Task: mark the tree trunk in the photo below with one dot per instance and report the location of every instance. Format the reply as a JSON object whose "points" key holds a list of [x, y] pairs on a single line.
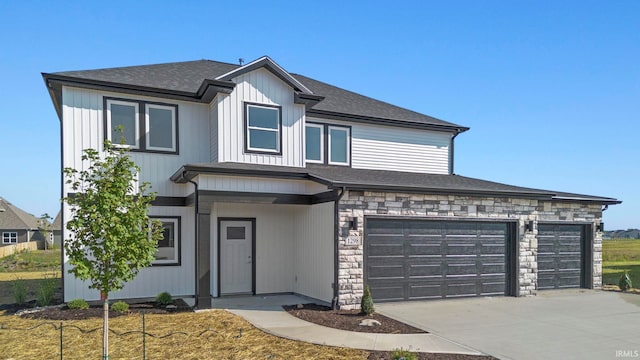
{"points": [[105, 328]]}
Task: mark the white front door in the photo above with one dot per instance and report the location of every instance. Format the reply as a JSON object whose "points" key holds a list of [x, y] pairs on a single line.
{"points": [[236, 257]]}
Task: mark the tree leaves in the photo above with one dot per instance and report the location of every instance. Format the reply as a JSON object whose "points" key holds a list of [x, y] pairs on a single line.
{"points": [[113, 235]]}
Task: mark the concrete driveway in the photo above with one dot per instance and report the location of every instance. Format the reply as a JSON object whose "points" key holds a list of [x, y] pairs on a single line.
{"points": [[557, 324]]}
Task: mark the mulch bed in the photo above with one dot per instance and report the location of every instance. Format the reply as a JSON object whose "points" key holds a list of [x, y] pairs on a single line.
{"points": [[95, 311], [349, 320]]}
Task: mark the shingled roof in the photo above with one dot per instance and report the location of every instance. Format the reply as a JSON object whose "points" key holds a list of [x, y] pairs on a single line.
{"points": [[382, 180], [188, 80], [14, 218]]}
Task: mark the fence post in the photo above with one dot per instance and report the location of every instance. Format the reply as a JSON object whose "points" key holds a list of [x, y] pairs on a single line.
{"points": [[144, 343], [60, 340]]}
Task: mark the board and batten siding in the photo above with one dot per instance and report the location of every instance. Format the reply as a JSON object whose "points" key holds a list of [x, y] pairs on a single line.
{"points": [[380, 147], [258, 185], [313, 251], [294, 247], [262, 87], [83, 128], [213, 138], [274, 243], [177, 280]]}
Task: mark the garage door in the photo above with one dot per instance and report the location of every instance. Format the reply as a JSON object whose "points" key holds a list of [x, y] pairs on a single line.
{"points": [[425, 259], [560, 256]]}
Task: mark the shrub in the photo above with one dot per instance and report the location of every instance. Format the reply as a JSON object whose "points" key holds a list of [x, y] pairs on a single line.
{"points": [[19, 289], [120, 306], [625, 282], [164, 298], [366, 305], [46, 290], [77, 304], [401, 354]]}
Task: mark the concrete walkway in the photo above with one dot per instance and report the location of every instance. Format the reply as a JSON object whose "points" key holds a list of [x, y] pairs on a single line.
{"points": [[266, 313]]}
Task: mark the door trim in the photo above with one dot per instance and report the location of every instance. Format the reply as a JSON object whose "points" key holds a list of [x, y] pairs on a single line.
{"points": [[253, 253]]}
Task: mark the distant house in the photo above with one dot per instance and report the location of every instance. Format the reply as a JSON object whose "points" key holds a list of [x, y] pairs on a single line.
{"points": [[17, 225], [57, 230]]}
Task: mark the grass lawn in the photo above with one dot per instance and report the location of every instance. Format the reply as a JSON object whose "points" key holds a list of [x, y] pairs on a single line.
{"points": [[35, 260], [619, 255]]}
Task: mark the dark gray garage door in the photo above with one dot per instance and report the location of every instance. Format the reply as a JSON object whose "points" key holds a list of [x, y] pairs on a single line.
{"points": [[560, 256], [425, 259]]}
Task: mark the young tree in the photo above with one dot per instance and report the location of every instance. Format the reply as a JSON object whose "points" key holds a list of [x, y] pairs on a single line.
{"points": [[44, 228], [113, 235]]}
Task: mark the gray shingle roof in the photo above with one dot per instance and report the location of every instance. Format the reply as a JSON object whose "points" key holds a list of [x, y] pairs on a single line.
{"points": [[14, 218], [57, 222], [187, 77], [382, 180]]}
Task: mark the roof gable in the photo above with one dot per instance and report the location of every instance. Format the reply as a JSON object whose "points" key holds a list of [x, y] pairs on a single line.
{"points": [[267, 63], [14, 218]]}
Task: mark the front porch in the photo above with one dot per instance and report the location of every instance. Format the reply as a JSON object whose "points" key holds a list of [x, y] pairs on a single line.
{"points": [[263, 243]]}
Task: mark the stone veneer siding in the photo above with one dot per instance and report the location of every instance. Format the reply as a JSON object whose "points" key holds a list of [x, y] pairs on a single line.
{"points": [[447, 207]]}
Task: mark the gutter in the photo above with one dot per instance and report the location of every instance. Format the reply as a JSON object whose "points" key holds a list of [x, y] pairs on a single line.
{"points": [[336, 214]]}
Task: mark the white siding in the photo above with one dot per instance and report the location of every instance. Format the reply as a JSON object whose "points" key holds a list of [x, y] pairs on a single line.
{"points": [[257, 184], [213, 139], [294, 247], [259, 86], [313, 251], [397, 149], [274, 243], [83, 128], [177, 280]]}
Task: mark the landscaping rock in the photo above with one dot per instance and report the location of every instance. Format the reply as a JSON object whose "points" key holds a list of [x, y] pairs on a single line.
{"points": [[370, 322], [300, 306], [171, 307]]}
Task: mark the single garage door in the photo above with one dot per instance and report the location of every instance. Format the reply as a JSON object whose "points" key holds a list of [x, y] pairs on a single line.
{"points": [[560, 256], [428, 259]]}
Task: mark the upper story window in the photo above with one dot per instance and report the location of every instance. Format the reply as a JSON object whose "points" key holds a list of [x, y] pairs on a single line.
{"points": [[328, 144], [314, 143], [263, 125], [339, 145], [9, 237], [126, 120]]}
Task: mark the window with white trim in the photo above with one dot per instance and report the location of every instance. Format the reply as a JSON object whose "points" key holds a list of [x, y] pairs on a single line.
{"points": [[314, 143], [9, 237], [126, 120], [339, 145], [169, 246], [263, 125]]}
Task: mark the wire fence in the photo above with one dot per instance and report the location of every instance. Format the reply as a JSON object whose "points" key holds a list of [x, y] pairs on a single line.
{"points": [[62, 328]]}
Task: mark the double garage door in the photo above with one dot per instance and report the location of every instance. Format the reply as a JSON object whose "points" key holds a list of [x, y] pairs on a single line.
{"points": [[426, 259], [408, 259]]}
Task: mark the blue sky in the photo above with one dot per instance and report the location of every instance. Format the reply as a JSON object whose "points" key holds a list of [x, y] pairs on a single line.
{"points": [[551, 90]]}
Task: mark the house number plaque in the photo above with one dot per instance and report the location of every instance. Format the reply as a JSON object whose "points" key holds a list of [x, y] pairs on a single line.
{"points": [[354, 238]]}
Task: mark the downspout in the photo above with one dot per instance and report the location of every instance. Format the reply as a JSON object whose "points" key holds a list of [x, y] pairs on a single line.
{"points": [[197, 261], [451, 152], [336, 221]]}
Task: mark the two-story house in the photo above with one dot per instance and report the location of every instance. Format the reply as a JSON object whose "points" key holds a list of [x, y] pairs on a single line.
{"points": [[273, 182]]}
